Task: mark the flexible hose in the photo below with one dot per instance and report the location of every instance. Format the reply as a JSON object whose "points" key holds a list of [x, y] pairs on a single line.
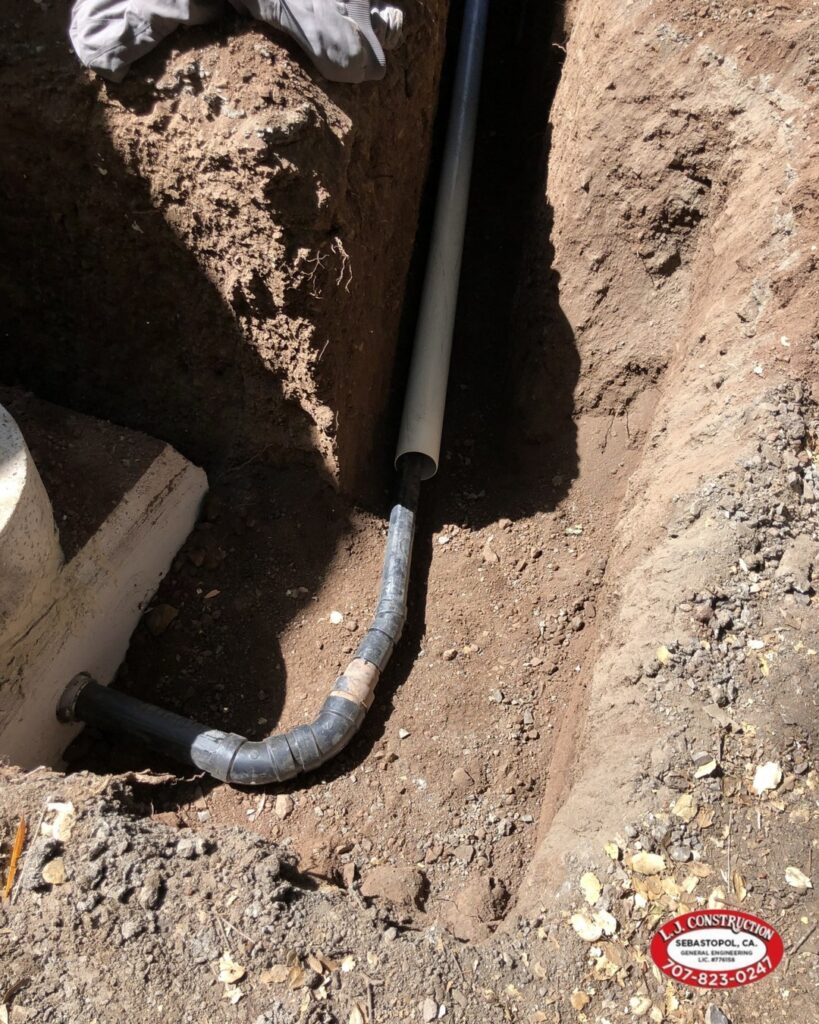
{"points": [[233, 758]]}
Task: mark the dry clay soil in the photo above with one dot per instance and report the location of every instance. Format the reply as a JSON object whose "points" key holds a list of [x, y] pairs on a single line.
{"points": [[613, 617]]}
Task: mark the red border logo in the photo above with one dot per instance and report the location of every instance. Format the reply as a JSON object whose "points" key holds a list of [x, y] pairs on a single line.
{"points": [[717, 948]]}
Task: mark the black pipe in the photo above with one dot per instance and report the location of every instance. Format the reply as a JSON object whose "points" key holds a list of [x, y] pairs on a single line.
{"points": [[233, 758]]}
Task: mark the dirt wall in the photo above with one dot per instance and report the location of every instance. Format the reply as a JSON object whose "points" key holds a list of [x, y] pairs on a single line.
{"points": [[214, 251]]}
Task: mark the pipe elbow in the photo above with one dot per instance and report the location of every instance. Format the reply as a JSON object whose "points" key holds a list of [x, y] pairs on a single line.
{"points": [[285, 755]]}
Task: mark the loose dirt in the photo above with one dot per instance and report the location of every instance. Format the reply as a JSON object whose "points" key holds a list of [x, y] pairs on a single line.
{"points": [[615, 575]]}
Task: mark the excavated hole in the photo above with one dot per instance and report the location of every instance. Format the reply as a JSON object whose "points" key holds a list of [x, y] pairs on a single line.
{"points": [[469, 730]]}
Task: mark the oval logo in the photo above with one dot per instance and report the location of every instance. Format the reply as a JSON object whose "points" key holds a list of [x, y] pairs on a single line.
{"points": [[717, 948]]}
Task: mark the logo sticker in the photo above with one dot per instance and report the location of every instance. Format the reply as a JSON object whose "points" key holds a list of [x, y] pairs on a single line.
{"points": [[716, 948]]}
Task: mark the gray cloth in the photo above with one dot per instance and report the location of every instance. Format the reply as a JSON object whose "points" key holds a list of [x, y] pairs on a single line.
{"points": [[339, 37]]}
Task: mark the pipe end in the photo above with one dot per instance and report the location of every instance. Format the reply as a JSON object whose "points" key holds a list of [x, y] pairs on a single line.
{"points": [[66, 708]]}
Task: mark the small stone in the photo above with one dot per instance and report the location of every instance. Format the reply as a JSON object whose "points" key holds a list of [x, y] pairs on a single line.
{"points": [[579, 1000], [685, 808], [159, 618], [496, 696], [131, 928], [336, 618], [590, 887], [429, 1010], [639, 1005], [348, 874], [589, 931], [390, 934], [450, 654], [645, 863], [150, 893], [283, 806], [462, 779], [796, 878], [403, 734], [680, 854], [490, 556], [464, 853], [713, 1015], [400, 885], [54, 871], [186, 848], [766, 777]]}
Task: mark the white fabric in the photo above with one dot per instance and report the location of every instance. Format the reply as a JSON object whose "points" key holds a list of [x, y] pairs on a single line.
{"points": [[337, 35]]}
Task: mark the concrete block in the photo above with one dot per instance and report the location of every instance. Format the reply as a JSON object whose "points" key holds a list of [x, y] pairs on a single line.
{"points": [[123, 504]]}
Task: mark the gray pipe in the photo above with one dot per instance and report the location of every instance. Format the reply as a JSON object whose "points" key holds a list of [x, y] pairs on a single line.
{"points": [[423, 417], [233, 758]]}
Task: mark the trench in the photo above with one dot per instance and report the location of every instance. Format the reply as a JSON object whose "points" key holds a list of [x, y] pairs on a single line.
{"points": [[474, 721]]}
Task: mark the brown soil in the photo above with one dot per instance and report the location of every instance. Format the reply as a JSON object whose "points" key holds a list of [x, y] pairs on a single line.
{"points": [[222, 170], [629, 473]]}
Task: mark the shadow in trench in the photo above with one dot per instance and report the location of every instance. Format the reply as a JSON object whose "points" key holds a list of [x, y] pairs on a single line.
{"points": [[509, 432], [510, 439], [125, 324]]}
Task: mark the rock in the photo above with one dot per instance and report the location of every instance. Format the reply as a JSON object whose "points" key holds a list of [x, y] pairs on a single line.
{"points": [[429, 1010], [450, 654], [336, 618], [679, 854], [645, 863], [490, 556], [589, 931], [186, 848], [54, 872], [348, 874], [462, 779], [283, 806], [795, 878], [472, 915], [131, 928], [159, 618], [639, 1005], [590, 887], [464, 853], [400, 885], [151, 891], [766, 777], [799, 558], [713, 1015], [685, 808], [579, 999]]}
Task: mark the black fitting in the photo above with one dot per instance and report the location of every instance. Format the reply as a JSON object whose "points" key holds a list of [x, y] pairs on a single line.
{"points": [[232, 758]]}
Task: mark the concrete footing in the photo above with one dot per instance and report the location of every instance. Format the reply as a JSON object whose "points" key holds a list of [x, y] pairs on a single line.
{"points": [[123, 504]]}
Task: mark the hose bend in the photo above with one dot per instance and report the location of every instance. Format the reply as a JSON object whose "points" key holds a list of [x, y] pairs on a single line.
{"points": [[233, 758]]}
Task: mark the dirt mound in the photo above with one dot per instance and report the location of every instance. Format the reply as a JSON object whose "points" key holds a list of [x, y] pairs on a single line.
{"points": [[247, 227]]}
